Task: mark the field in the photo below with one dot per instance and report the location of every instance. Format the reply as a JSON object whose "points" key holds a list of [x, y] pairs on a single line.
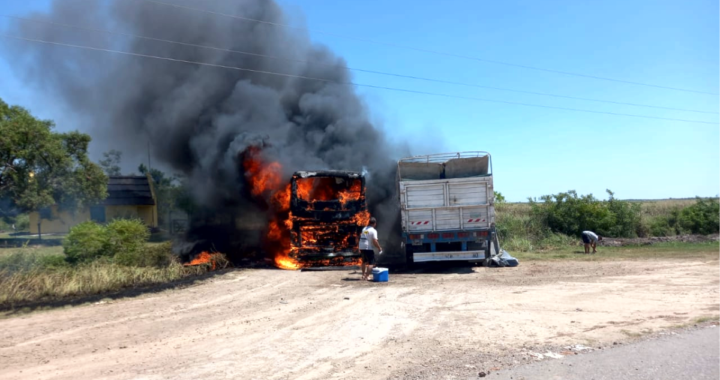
{"points": [[431, 322], [650, 208], [522, 230]]}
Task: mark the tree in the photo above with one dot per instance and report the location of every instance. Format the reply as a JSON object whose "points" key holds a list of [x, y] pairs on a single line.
{"points": [[111, 163], [160, 179], [40, 167], [499, 198]]}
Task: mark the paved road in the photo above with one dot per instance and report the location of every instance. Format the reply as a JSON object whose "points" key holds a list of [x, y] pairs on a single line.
{"points": [[688, 356]]}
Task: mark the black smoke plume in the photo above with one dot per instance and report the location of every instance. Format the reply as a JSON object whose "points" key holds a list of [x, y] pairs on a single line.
{"points": [[198, 119]]}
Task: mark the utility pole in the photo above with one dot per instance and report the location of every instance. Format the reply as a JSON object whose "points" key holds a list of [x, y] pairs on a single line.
{"points": [[150, 178], [148, 147]]}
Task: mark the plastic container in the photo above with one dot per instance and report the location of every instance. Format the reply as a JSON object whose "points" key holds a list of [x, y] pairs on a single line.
{"points": [[380, 275]]}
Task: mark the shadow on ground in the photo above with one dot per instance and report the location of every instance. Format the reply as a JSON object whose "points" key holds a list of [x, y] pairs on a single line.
{"points": [[436, 268]]}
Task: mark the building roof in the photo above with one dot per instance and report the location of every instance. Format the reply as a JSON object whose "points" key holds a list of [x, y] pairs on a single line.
{"points": [[129, 191]]}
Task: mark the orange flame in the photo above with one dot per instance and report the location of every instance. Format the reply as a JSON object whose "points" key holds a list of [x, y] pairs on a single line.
{"points": [[264, 177], [362, 218], [323, 189], [353, 194], [265, 183], [202, 258]]}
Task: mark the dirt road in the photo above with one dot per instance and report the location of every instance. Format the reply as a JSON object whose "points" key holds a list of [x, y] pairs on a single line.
{"points": [[273, 324]]}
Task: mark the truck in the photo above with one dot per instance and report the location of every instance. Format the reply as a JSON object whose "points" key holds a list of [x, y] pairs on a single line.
{"points": [[327, 213], [447, 207]]}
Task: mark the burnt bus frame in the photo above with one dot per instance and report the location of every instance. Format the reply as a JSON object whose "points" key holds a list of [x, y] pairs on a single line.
{"points": [[305, 217]]}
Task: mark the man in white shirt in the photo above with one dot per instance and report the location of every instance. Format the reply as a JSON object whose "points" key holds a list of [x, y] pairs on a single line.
{"points": [[368, 241], [590, 239]]}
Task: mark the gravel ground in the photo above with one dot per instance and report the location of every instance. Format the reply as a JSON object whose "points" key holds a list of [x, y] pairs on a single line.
{"points": [[446, 323]]}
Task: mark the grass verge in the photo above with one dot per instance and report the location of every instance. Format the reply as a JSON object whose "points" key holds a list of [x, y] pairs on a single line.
{"points": [[33, 275], [673, 250]]}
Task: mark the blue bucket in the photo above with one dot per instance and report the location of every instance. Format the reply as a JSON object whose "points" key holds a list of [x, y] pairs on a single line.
{"points": [[380, 275]]}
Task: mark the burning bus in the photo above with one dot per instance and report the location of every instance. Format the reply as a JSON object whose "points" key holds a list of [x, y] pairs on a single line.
{"points": [[327, 213], [314, 219]]}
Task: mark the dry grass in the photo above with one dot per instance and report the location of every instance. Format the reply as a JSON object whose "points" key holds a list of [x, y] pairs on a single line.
{"points": [[648, 208], [35, 250], [651, 209], [518, 210], [92, 279], [29, 275]]}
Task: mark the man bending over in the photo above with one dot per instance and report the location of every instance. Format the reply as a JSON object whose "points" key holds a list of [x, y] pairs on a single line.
{"points": [[590, 239]]}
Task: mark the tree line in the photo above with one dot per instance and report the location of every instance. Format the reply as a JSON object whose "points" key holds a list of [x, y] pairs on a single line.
{"points": [[40, 167]]}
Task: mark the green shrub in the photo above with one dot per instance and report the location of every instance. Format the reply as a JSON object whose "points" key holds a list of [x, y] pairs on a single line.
{"points": [[157, 255], [701, 218], [667, 225], [87, 241], [509, 226], [122, 239], [52, 262], [22, 222], [127, 236], [660, 226], [623, 218], [570, 214]]}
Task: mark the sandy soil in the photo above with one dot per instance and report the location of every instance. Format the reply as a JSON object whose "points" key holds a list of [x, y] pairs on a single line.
{"points": [[272, 324]]}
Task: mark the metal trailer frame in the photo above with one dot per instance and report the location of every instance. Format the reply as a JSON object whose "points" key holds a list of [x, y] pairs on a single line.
{"points": [[487, 237], [445, 157]]}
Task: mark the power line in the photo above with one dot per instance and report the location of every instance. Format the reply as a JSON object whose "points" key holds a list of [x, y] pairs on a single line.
{"points": [[351, 83], [448, 54], [355, 69]]}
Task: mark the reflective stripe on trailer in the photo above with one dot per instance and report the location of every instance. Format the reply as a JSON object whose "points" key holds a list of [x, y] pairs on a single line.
{"points": [[475, 220], [419, 257], [420, 223]]}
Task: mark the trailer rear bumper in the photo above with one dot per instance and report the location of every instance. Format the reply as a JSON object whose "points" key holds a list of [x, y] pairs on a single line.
{"points": [[318, 256], [422, 257]]}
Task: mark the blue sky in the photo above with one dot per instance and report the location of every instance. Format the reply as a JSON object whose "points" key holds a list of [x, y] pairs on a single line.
{"points": [[535, 151]]}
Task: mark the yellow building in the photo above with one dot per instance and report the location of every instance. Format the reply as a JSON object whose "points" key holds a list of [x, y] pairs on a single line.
{"points": [[128, 197]]}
